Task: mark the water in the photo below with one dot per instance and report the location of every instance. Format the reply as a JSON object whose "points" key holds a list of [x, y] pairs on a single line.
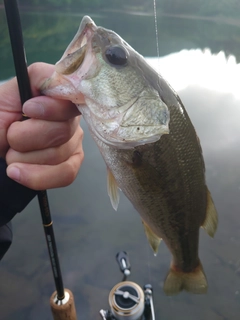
{"points": [[90, 233]]}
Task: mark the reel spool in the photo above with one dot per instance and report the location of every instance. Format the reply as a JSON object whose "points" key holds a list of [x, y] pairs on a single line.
{"points": [[126, 301]]}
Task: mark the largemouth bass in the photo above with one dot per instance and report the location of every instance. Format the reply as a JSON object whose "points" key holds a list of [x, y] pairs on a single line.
{"points": [[148, 142]]}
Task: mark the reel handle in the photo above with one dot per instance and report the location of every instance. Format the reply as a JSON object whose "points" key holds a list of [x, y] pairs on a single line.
{"points": [[124, 263]]}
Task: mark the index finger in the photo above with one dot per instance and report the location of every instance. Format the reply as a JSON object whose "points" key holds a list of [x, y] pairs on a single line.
{"points": [[38, 72], [9, 93], [42, 107]]}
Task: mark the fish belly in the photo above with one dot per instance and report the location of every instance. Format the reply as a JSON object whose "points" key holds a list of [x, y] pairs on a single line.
{"points": [[165, 182]]}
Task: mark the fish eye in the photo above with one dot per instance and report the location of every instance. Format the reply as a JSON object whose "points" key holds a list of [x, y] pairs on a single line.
{"points": [[116, 55]]}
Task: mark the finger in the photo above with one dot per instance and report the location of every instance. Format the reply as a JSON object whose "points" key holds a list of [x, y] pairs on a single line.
{"points": [[10, 98], [36, 134], [10, 111], [39, 72], [50, 109], [38, 177], [49, 156]]}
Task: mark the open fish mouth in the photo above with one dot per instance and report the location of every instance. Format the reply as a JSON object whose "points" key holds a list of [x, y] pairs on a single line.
{"points": [[72, 61], [73, 66], [93, 57], [75, 53]]}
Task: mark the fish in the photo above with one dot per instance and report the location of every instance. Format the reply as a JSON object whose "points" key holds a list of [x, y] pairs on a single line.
{"points": [[149, 144]]}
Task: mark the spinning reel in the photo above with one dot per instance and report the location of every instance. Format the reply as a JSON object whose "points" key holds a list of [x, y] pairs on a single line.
{"points": [[127, 300]]}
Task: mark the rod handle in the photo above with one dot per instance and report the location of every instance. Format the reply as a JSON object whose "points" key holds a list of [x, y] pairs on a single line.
{"points": [[63, 309]]}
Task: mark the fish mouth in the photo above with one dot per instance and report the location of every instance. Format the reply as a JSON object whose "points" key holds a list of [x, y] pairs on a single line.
{"points": [[75, 53]]}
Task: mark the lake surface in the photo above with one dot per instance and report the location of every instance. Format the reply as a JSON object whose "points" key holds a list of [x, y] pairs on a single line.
{"points": [[88, 231]]}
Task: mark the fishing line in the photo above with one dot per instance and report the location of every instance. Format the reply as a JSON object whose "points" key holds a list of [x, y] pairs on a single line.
{"points": [[149, 251], [148, 264], [156, 27]]}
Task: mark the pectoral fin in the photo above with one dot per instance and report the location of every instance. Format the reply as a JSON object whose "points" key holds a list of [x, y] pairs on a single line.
{"points": [[211, 220], [153, 240], [112, 189]]}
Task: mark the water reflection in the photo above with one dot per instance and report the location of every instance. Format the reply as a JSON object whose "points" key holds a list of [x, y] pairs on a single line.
{"points": [[89, 233], [217, 72], [47, 34]]}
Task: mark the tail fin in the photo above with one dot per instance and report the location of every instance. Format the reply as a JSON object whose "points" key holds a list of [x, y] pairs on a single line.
{"points": [[194, 281]]}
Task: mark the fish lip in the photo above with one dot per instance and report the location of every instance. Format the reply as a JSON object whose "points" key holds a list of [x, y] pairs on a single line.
{"points": [[86, 22], [85, 32], [83, 37], [74, 55], [86, 29]]}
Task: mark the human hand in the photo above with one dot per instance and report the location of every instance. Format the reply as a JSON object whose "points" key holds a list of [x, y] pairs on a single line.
{"points": [[45, 151]]}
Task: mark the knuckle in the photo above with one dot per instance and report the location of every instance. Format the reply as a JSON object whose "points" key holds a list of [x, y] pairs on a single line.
{"points": [[13, 134], [32, 68], [9, 157], [72, 167], [81, 132], [71, 173], [58, 135], [35, 68], [53, 156]]}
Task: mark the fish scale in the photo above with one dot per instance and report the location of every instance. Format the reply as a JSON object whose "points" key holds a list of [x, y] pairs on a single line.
{"points": [[149, 198]]}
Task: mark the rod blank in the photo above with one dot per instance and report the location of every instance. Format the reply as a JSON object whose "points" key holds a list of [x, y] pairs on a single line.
{"points": [[66, 308]]}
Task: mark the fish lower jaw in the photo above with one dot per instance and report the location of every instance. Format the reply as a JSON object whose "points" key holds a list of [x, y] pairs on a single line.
{"points": [[113, 134], [112, 138]]}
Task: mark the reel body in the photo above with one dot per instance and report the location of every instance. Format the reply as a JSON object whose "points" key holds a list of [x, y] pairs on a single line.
{"points": [[127, 300]]}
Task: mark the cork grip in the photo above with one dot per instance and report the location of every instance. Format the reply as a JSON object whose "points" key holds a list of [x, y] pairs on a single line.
{"points": [[65, 311]]}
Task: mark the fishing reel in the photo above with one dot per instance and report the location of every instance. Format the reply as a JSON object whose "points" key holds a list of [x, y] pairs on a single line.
{"points": [[127, 300]]}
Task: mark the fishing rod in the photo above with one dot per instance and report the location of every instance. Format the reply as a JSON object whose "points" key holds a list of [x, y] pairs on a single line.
{"points": [[61, 301], [127, 300]]}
